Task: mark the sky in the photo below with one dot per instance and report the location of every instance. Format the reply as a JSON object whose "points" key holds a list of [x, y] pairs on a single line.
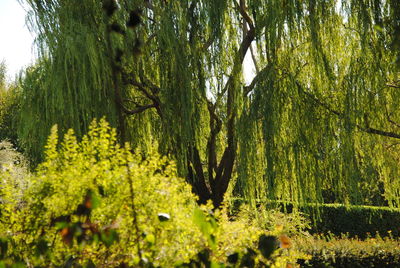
{"points": [[16, 42]]}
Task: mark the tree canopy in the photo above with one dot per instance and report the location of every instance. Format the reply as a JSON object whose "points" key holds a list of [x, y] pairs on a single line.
{"points": [[318, 122], [9, 107]]}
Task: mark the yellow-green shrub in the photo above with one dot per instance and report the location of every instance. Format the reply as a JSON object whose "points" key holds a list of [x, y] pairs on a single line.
{"points": [[350, 252], [94, 202], [100, 165]]}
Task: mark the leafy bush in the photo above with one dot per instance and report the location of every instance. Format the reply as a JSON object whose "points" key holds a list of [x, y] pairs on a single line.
{"points": [[272, 219], [95, 203], [13, 169], [342, 252], [127, 192], [9, 110], [233, 244]]}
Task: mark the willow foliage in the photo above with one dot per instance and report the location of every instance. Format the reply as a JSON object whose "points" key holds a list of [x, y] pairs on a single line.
{"points": [[71, 84], [318, 122]]}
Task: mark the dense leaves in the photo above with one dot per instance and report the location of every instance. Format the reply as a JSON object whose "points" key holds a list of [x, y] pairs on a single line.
{"points": [[339, 219], [95, 201], [342, 252], [9, 107], [316, 121]]}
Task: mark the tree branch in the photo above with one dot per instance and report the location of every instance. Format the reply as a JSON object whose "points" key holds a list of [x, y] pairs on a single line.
{"points": [[148, 83], [215, 128], [256, 79], [241, 53], [224, 171], [392, 85], [366, 129], [198, 178], [379, 132], [246, 17], [390, 119], [138, 109], [142, 88], [318, 101]]}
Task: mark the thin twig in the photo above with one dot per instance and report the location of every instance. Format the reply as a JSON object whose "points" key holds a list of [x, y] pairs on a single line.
{"points": [[393, 86], [134, 214]]}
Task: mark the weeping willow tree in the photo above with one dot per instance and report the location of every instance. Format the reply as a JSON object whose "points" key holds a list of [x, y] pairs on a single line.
{"points": [[317, 122]]}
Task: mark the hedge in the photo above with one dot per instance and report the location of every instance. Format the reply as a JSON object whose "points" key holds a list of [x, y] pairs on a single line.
{"points": [[354, 221]]}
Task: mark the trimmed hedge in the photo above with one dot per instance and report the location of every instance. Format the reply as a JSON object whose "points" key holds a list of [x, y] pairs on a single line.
{"points": [[350, 253], [354, 221]]}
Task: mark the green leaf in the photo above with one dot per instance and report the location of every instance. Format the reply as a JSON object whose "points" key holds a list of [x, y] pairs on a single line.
{"points": [[267, 244], [150, 238], [41, 247], [207, 226], [109, 237]]}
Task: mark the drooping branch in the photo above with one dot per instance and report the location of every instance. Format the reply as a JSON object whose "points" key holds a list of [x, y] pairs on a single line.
{"points": [[388, 116], [318, 101], [148, 83], [366, 129], [327, 107], [379, 132], [393, 122], [138, 109], [392, 85]]}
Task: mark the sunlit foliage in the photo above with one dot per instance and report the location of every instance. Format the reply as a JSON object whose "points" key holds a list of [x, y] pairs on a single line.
{"points": [[95, 202], [318, 122], [9, 107]]}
